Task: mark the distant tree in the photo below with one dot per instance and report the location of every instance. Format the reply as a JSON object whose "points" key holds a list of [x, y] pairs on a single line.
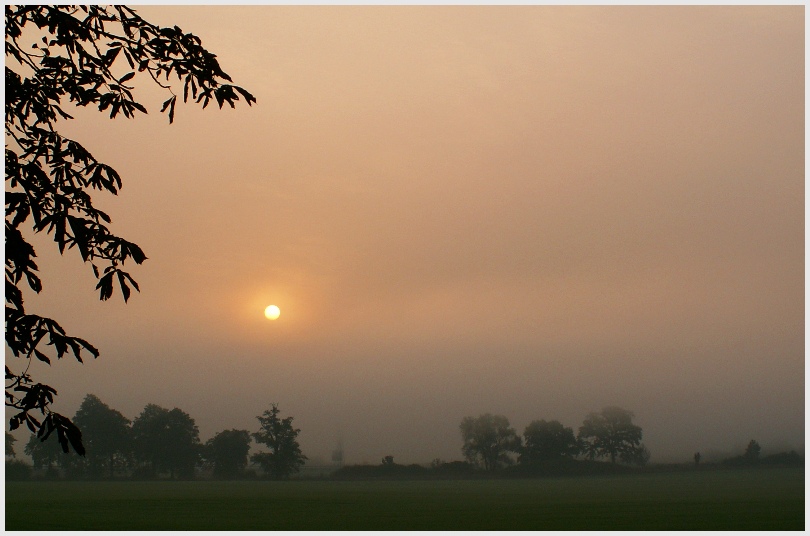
{"points": [[453, 469], [611, 433], [488, 440], [169, 441], [638, 455], [106, 435], [44, 455], [17, 470], [280, 437], [548, 440], [790, 459], [10, 440], [62, 55], [228, 452], [337, 454], [697, 458], [752, 452], [387, 460]]}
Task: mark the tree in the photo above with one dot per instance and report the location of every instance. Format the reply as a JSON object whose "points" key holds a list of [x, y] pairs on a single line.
{"points": [[47, 455], [59, 56], [488, 440], [612, 433], [228, 451], [17, 470], [168, 441], [280, 437], [752, 452], [639, 455], [548, 440], [10, 440], [106, 435]]}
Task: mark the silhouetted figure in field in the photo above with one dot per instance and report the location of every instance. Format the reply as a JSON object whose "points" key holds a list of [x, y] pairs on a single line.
{"points": [[697, 458]]}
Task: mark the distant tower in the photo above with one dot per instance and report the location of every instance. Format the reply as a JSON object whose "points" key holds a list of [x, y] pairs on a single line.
{"points": [[337, 454]]}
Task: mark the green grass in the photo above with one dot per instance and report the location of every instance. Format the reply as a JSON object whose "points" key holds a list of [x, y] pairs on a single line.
{"points": [[760, 499]]}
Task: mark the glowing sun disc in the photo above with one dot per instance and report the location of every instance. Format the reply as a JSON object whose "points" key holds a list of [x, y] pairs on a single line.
{"points": [[272, 312]]}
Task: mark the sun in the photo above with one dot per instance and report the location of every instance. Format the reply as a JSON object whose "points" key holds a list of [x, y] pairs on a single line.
{"points": [[272, 312]]}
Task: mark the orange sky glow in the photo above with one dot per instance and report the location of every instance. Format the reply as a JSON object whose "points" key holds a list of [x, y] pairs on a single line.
{"points": [[534, 211]]}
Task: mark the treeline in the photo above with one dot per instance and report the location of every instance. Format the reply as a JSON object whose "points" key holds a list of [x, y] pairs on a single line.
{"points": [[490, 442], [492, 446], [752, 457], [459, 470], [162, 443], [158, 443]]}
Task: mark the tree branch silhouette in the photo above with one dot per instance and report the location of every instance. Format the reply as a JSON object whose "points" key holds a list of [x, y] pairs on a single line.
{"points": [[49, 177]]}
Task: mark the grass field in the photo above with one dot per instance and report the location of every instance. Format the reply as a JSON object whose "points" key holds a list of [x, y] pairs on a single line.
{"points": [[729, 499]]}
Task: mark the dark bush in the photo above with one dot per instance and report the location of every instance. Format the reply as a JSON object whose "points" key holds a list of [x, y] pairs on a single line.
{"points": [[454, 469], [17, 470], [383, 471], [566, 467], [143, 472], [249, 474], [788, 459]]}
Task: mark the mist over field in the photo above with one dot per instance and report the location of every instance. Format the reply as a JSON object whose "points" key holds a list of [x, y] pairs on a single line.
{"points": [[533, 211]]}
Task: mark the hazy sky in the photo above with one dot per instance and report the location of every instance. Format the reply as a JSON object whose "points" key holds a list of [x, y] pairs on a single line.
{"points": [[528, 211]]}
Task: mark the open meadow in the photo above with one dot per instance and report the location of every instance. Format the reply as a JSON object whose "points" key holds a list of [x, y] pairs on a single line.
{"points": [[762, 499]]}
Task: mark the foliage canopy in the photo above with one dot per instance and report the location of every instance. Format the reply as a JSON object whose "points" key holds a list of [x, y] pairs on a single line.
{"points": [[752, 451], [228, 452], [611, 433], [69, 55], [10, 440], [167, 441], [548, 440], [489, 440], [279, 436], [106, 435]]}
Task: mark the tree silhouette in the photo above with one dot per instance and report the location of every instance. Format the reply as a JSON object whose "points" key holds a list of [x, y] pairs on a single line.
{"points": [[228, 451], [106, 435], [752, 451], [280, 437], [639, 455], [548, 440], [611, 433], [10, 440], [44, 455], [68, 54], [488, 440], [168, 441]]}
